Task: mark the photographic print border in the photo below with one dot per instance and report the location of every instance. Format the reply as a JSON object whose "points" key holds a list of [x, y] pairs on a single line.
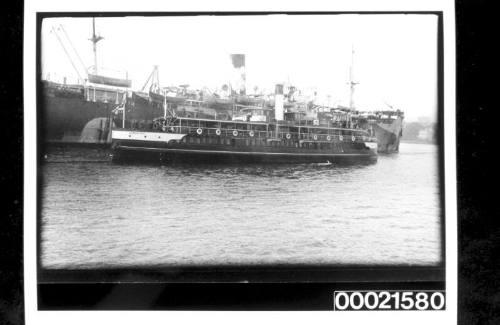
{"points": [[436, 278]]}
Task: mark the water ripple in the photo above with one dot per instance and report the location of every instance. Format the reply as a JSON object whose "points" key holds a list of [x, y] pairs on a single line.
{"points": [[104, 214]]}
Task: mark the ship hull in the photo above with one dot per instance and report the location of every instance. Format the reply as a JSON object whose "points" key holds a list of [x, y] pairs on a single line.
{"points": [[209, 156], [64, 115], [69, 114], [179, 151], [388, 135]]}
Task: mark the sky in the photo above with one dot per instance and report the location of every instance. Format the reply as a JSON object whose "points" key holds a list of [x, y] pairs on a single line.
{"points": [[394, 61]]}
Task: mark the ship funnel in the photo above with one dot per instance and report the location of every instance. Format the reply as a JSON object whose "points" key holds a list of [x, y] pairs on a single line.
{"points": [[278, 103], [238, 80]]}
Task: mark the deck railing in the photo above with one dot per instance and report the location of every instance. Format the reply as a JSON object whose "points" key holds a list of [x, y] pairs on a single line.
{"points": [[270, 135]]}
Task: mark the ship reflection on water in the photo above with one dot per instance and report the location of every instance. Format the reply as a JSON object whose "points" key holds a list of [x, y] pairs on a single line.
{"points": [[96, 213]]}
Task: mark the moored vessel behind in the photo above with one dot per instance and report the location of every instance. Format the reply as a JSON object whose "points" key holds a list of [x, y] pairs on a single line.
{"points": [[388, 133], [386, 126]]}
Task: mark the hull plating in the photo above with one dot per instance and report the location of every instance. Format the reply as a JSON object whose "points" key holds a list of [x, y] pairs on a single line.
{"points": [[388, 135], [199, 153]]}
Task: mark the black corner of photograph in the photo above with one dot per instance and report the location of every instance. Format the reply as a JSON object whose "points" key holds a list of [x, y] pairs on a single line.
{"points": [[11, 180], [477, 171]]}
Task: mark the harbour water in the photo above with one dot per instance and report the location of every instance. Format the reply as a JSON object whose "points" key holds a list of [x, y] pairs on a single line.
{"points": [[98, 214]]}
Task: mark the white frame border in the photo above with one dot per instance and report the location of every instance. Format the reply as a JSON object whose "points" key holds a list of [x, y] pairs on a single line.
{"points": [[33, 316]]}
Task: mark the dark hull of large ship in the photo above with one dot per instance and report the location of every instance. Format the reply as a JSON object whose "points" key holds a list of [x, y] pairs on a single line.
{"points": [[388, 134], [209, 155], [202, 150], [72, 114], [65, 113]]}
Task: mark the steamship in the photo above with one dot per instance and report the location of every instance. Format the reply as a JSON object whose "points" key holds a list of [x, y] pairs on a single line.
{"points": [[388, 129], [82, 112], [259, 137], [79, 112], [86, 112], [385, 125]]}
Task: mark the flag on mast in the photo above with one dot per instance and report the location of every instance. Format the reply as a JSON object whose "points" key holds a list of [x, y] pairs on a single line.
{"points": [[238, 60]]}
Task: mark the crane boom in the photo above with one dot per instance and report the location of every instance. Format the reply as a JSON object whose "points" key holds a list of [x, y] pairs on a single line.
{"points": [[67, 53], [73, 47]]}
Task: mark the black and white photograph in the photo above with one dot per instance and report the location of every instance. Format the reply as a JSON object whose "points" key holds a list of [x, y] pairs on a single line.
{"points": [[241, 147], [256, 140]]}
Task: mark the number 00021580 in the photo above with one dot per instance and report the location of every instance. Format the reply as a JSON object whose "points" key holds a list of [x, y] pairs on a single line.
{"points": [[389, 300]]}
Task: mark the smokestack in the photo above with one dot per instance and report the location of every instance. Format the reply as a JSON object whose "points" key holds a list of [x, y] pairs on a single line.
{"points": [[239, 74], [278, 103]]}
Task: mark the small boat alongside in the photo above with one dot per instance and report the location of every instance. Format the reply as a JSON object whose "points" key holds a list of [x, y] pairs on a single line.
{"points": [[327, 163]]}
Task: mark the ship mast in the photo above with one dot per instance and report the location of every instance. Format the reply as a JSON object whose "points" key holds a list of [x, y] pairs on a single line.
{"points": [[352, 83], [94, 41]]}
